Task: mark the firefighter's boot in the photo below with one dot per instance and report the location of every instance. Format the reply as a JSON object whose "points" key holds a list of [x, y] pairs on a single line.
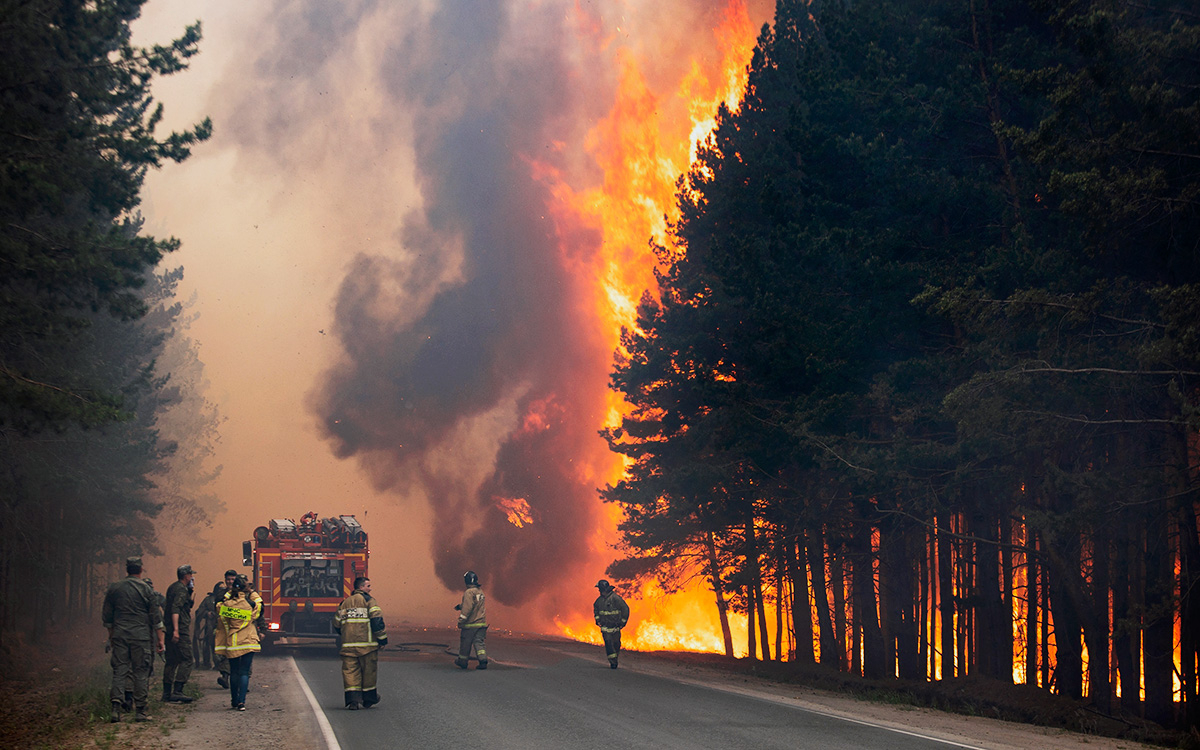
{"points": [[460, 662], [115, 717], [141, 715], [223, 680], [176, 695], [482, 664]]}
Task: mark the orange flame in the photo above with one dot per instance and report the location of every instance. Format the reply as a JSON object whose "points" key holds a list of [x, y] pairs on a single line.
{"points": [[642, 152], [516, 510]]}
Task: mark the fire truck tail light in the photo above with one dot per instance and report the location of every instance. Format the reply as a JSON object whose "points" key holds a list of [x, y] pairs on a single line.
{"points": [[274, 626]]}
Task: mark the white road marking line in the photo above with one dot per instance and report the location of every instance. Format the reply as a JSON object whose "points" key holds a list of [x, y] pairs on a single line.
{"points": [[326, 730], [795, 703]]}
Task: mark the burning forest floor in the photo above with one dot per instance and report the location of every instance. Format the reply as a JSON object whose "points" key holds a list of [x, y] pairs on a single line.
{"points": [[55, 694]]}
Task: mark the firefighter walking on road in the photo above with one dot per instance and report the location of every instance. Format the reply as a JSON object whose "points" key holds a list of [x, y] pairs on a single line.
{"points": [[611, 614], [134, 623], [237, 638], [177, 617], [359, 622], [472, 623]]}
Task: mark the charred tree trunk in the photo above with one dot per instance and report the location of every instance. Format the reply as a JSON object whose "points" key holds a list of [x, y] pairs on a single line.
{"points": [[802, 628], [993, 628], [946, 604], [1097, 636], [820, 588], [1032, 600], [866, 608], [1068, 670], [1189, 573], [753, 561], [714, 577], [901, 603], [1126, 622], [1157, 638], [838, 581]]}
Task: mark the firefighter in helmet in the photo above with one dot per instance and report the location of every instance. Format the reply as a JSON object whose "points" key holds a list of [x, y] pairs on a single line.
{"points": [[359, 622], [611, 614], [472, 623]]}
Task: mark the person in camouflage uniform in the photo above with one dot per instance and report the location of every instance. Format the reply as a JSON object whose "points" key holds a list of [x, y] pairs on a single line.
{"points": [[177, 617], [134, 623], [203, 628]]}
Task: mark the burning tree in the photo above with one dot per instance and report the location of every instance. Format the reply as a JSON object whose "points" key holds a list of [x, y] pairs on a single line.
{"points": [[922, 359]]}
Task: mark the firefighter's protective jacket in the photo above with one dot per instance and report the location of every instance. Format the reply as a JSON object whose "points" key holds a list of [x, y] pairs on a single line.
{"points": [[236, 634], [611, 611], [472, 613], [360, 621]]}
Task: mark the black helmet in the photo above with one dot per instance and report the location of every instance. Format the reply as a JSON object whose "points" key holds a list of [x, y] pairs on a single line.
{"points": [[470, 579], [239, 584], [604, 586]]}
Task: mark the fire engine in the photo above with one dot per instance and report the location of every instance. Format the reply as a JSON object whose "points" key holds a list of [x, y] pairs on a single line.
{"points": [[304, 570]]}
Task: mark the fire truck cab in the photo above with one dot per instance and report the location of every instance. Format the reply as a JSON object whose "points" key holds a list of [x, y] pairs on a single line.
{"points": [[303, 572]]}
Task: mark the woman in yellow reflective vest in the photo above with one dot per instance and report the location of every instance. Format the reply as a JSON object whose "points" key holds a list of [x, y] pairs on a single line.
{"points": [[237, 638]]}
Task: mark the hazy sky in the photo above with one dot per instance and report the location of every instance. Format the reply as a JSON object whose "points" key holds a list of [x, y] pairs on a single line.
{"points": [[401, 254]]}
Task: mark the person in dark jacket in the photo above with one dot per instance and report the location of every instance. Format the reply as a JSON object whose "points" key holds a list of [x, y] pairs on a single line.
{"points": [[611, 614], [135, 627]]}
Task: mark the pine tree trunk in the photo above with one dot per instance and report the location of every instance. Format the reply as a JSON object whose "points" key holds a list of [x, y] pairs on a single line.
{"points": [[1157, 639], [993, 630], [866, 609], [1068, 668], [1099, 686], [820, 588], [1125, 621], [802, 628], [838, 582], [946, 598], [718, 588], [752, 560]]}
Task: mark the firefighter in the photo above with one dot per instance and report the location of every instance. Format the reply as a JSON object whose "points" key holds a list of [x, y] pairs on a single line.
{"points": [[177, 617], [611, 614], [359, 622], [219, 661], [133, 624], [472, 623], [237, 638]]}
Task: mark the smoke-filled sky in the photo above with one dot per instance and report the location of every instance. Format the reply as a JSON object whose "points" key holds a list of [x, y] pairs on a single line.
{"points": [[402, 258]]}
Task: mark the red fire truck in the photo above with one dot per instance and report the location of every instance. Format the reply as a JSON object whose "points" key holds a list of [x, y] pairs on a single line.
{"points": [[304, 571]]}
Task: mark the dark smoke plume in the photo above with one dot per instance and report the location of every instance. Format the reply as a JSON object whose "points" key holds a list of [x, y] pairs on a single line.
{"points": [[465, 327]]}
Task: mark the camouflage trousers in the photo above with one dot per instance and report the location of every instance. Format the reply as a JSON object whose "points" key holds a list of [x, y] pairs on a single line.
{"points": [[179, 661], [359, 675], [131, 662]]}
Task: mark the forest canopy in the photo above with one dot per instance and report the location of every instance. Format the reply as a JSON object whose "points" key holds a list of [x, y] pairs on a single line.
{"points": [[88, 322], [920, 374]]}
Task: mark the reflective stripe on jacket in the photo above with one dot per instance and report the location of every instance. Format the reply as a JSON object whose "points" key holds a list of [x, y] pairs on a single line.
{"points": [[360, 621], [472, 614], [611, 612], [236, 635]]}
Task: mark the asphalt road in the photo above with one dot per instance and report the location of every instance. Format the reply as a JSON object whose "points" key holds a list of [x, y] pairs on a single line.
{"points": [[539, 694]]}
